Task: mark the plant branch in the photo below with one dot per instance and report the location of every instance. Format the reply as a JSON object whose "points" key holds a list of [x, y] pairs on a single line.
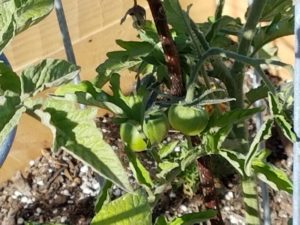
{"points": [[219, 10], [170, 51], [216, 62], [248, 33], [208, 184], [256, 63]]}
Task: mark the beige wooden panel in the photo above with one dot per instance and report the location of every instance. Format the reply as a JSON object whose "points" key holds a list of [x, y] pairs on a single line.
{"points": [[94, 26]]}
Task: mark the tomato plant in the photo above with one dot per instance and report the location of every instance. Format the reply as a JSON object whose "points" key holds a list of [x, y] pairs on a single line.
{"points": [[181, 67]]}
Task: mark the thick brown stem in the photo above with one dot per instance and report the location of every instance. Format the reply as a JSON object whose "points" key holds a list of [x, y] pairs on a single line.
{"points": [[208, 186], [208, 189], [170, 51]]}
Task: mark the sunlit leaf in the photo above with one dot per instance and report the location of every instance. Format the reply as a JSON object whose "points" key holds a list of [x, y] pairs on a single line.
{"points": [[127, 210], [263, 134], [75, 131], [273, 176], [48, 73]]}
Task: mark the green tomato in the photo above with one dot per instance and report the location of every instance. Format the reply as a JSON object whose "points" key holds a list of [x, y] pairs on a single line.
{"points": [[132, 136], [156, 127], [188, 120]]}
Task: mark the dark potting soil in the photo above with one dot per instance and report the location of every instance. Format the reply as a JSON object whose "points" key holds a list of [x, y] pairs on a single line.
{"points": [[56, 188]]}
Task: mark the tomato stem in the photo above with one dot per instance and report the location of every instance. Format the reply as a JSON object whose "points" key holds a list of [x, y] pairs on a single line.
{"points": [[207, 183], [169, 48]]}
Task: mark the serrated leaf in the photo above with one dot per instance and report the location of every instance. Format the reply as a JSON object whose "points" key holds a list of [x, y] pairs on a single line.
{"points": [[275, 106], [127, 210], [236, 160], [7, 30], [10, 114], [161, 221], [17, 15], [167, 149], [75, 131], [166, 167], [139, 171], [286, 128], [174, 15], [256, 94], [103, 196], [85, 93], [215, 101], [273, 176], [192, 218], [136, 49], [235, 116], [277, 7], [9, 81], [28, 13], [269, 33], [263, 134], [48, 73]]}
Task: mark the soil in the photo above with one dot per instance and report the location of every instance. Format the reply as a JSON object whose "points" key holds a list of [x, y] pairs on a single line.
{"points": [[56, 188]]}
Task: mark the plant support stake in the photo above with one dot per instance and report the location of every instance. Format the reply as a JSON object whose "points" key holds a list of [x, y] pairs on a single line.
{"points": [[8, 141], [296, 167], [170, 51], [60, 14]]}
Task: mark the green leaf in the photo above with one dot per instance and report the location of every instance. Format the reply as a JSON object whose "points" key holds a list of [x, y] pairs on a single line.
{"points": [[103, 196], [235, 116], [221, 27], [71, 88], [277, 29], [167, 149], [256, 94], [130, 209], [139, 171], [286, 128], [263, 134], [85, 93], [174, 15], [274, 8], [75, 131], [7, 26], [30, 12], [192, 218], [275, 106], [9, 81], [161, 221], [10, 114], [136, 49], [48, 73], [273, 176], [215, 101], [166, 167], [235, 159], [18, 15]]}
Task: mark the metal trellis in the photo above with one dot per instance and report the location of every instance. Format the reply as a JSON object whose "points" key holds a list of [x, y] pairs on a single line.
{"points": [[296, 152]]}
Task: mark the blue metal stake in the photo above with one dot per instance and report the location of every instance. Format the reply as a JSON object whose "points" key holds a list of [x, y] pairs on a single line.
{"points": [[8, 141], [60, 14], [296, 162]]}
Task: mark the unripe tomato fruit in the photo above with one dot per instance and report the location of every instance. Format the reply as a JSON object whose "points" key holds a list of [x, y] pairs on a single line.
{"points": [[156, 127], [188, 120], [132, 137]]}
